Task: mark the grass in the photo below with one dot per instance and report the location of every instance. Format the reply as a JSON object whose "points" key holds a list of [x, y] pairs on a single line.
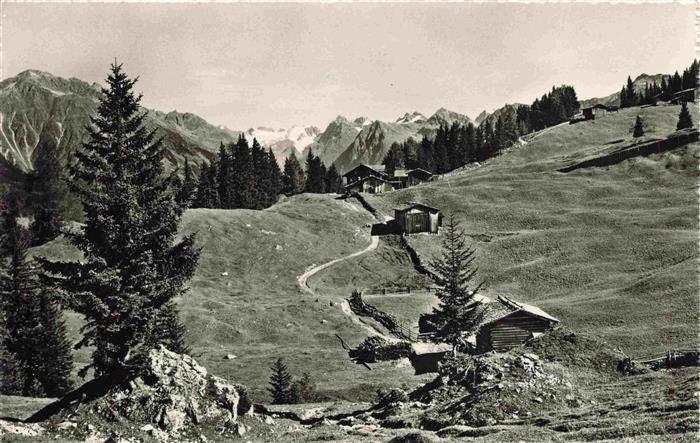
{"points": [[257, 312], [610, 251], [607, 250], [407, 308]]}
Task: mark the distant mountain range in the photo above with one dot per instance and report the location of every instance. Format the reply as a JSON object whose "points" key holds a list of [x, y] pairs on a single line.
{"points": [[36, 106]]}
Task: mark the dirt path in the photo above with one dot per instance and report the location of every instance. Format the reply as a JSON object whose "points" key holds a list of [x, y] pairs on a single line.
{"points": [[344, 305]]}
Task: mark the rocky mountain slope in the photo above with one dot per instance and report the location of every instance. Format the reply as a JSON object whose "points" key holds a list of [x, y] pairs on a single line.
{"points": [[37, 107], [373, 141], [284, 142]]}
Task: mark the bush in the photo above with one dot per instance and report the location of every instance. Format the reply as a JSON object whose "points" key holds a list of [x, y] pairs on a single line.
{"points": [[388, 397], [376, 348]]}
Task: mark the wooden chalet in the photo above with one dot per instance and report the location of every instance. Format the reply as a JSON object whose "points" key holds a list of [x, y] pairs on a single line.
{"points": [[372, 185], [520, 323], [363, 171], [425, 357], [417, 217], [597, 110], [417, 176]]}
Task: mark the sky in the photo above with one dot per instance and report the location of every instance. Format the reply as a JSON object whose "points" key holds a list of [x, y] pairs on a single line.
{"points": [[277, 65]]}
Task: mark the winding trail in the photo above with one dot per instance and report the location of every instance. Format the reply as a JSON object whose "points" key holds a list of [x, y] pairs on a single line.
{"points": [[344, 305]]}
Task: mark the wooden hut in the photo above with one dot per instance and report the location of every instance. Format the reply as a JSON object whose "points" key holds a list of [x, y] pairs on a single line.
{"points": [[513, 328], [371, 185], [363, 171], [417, 217], [597, 110], [417, 176], [425, 357]]}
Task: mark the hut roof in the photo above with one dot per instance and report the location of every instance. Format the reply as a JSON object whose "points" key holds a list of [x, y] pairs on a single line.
{"points": [[411, 171], [376, 177], [411, 205], [514, 306], [401, 173], [377, 168]]}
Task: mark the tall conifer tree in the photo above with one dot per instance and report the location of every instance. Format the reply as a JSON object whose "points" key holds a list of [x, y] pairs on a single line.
{"points": [[132, 267], [684, 118], [48, 195]]}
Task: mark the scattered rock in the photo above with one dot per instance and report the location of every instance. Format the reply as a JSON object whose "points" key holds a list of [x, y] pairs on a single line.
{"points": [[454, 431], [278, 247], [230, 357], [224, 274], [171, 395], [324, 321], [269, 420]]}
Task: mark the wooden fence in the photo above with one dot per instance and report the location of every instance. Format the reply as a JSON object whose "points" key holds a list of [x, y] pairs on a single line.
{"points": [[400, 290], [673, 359], [673, 141], [401, 329]]}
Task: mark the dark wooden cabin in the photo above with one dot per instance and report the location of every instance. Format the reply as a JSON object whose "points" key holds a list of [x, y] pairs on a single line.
{"points": [[417, 176], [426, 357], [372, 185], [597, 110], [417, 217], [363, 171], [513, 328]]}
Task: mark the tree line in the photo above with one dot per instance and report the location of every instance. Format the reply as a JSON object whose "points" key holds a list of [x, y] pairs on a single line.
{"points": [[457, 145], [244, 176], [663, 91]]}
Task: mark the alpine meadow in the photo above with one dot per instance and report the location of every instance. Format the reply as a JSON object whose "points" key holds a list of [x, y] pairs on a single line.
{"points": [[520, 264]]}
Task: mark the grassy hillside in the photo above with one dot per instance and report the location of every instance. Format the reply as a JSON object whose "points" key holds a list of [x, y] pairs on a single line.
{"points": [[608, 250], [257, 312]]}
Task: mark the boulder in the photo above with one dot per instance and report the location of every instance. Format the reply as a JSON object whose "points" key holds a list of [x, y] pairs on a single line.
{"points": [[171, 394]]}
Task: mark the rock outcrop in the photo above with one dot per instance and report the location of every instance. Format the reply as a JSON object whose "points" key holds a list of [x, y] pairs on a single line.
{"points": [[173, 396]]}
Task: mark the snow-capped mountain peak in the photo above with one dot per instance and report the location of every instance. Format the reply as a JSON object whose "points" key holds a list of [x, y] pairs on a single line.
{"points": [[413, 117]]}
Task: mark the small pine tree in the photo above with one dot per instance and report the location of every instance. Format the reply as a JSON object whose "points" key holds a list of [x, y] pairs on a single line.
{"points": [[457, 311], [333, 180], [186, 193], [684, 118], [169, 331], [49, 194], [11, 374], [280, 382], [638, 130], [9, 212], [36, 334], [293, 178]]}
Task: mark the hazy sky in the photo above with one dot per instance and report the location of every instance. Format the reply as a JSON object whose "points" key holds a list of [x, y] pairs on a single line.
{"points": [[245, 65]]}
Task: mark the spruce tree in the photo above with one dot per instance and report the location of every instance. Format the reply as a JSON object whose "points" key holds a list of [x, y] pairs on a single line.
{"points": [[213, 198], [131, 267], [638, 130], [315, 175], [11, 374], [9, 212], [243, 178], [389, 162], [457, 311], [261, 177], [333, 180], [186, 193], [293, 181], [684, 118], [274, 177], [169, 331], [203, 195], [48, 195], [35, 332], [224, 178], [280, 382], [425, 155]]}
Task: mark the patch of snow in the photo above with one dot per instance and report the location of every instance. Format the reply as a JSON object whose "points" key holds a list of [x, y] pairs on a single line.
{"points": [[53, 91]]}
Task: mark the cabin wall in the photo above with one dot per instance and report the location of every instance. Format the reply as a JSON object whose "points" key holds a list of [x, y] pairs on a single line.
{"points": [[509, 332]]}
